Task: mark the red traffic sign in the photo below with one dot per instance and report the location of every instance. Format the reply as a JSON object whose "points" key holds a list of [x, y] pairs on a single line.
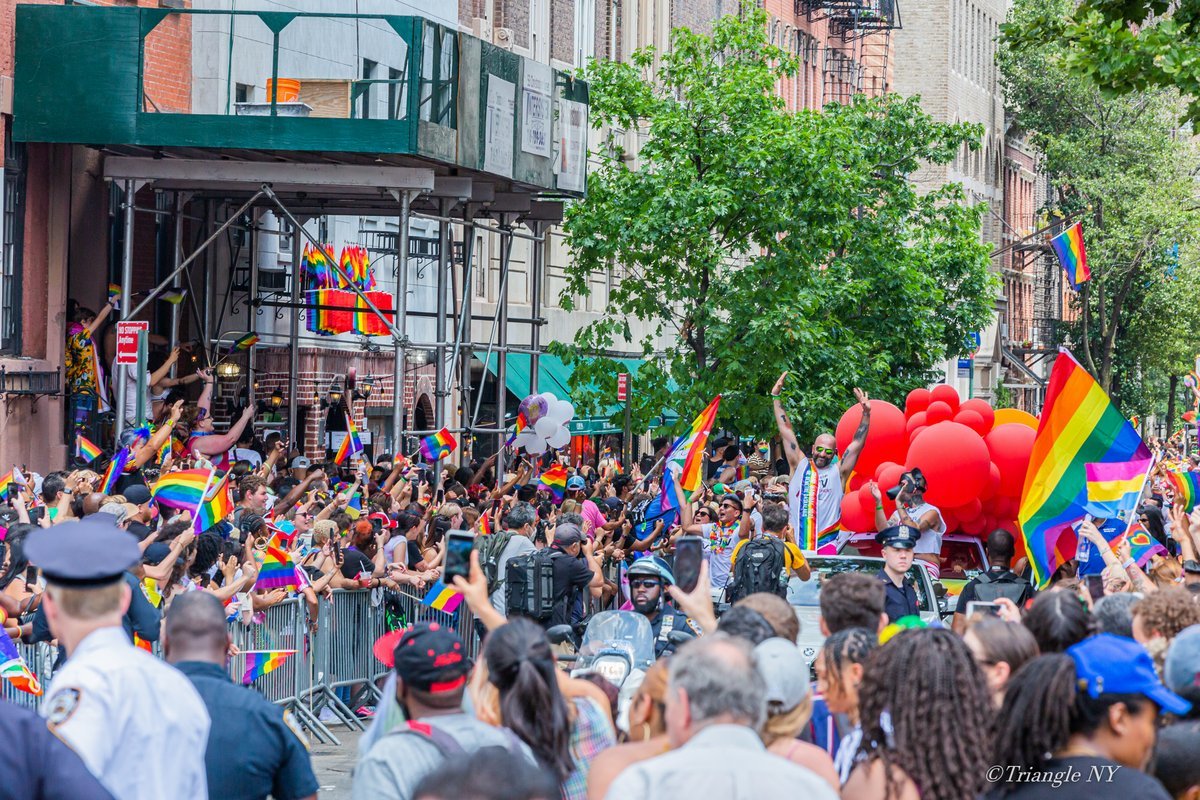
{"points": [[623, 387], [127, 340]]}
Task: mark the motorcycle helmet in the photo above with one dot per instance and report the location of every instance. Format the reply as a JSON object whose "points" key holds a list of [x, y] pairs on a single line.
{"points": [[652, 565]]}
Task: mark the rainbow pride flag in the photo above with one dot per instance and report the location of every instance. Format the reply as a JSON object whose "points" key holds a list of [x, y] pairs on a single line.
{"points": [[1114, 489], [1079, 425], [486, 527], [86, 449], [216, 506], [277, 570], [351, 445], [1143, 546], [688, 449], [244, 342], [554, 481], [1068, 246], [438, 445], [260, 662], [6, 485], [521, 424], [1186, 486], [14, 669], [182, 489], [114, 295], [115, 468], [442, 597]]}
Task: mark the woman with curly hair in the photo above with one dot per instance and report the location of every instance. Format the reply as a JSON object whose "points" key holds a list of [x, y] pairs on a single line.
{"points": [[925, 713], [1160, 616]]}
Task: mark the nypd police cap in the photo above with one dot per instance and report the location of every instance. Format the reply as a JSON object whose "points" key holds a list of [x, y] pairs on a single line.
{"points": [[902, 536], [89, 553]]}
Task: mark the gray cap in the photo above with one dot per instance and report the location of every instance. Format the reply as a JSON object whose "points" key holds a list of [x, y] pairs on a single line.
{"points": [[300, 462], [115, 510], [785, 672], [567, 534], [89, 553], [1181, 669]]}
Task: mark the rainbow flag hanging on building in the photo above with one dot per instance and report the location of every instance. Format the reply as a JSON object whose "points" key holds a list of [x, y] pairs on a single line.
{"points": [[217, 505], [260, 662], [1068, 246], [554, 481], [1113, 489], [14, 669], [115, 468], [442, 597], [688, 449], [244, 342], [277, 570], [351, 445], [1079, 425], [1186, 486], [182, 489], [438, 445], [86, 449]]}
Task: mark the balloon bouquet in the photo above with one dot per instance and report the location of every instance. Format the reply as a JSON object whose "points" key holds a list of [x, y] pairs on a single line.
{"points": [[974, 459], [542, 423]]}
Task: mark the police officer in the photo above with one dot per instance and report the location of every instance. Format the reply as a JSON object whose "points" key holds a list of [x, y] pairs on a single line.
{"points": [[138, 725], [36, 765], [254, 750], [900, 598], [648, 579]]}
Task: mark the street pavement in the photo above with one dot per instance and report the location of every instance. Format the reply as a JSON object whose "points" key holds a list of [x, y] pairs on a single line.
{"points": [[334, 764]]}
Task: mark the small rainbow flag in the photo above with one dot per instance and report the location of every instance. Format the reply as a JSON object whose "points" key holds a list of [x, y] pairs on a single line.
{"points": [[182, 489], [114, 295], [521, 424], [1186, 486], [554, 481], [1068, 246], [244, 342], [1115, 488], [688, 449], [442, 597], [142, 644], [164, 452], [1142, 546], [438, 445], [351, 445], [6, 484], [277, 570], [260, 662], [173, 296], [86, 449], [116, 467], [217, 505], [485, 524], [14, 669]]}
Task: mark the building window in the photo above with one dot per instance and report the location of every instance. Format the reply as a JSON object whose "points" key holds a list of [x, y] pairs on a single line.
{"points": [[585, 31], [368, 74], [397, 94], [439, 69], [12, 231], [242, 92]]}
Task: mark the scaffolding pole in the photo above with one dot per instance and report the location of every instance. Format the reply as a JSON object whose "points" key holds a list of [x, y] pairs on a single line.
{"points": [[402, 325], [293, 340], [465, 340], [176, 257], [439, 388], [537, 264], [122, 375], [506, 243]]}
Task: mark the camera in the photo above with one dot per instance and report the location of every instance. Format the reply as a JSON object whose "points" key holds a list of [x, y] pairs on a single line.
{"points": [[913, 479]]}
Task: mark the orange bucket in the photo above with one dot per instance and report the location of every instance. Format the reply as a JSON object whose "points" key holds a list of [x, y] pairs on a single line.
{"points": [[288, 90]]}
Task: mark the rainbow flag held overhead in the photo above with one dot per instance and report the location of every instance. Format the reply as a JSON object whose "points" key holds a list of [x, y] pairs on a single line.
{"points": [[351, 445], [1143, 546], [7, 485], [442, 597], [260, 662], [438, 445], [182, 489], [1186, 486], [1113, 489], [688, 449], [244, 342], [521, 424], [14, 669], [486, 527], [114, 295], [116, 467], [86, 449], [217, 505], [1068, 246], [554, 481], [277, 571], [1079, 426]]}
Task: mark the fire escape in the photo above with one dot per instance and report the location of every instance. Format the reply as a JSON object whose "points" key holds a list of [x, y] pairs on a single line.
{"points": [[856, 54]]}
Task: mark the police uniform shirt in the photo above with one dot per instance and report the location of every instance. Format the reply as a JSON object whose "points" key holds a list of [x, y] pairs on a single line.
{"points": [[898, 601], [136, 722], [669, 619], [34, 763], [253, 750]]}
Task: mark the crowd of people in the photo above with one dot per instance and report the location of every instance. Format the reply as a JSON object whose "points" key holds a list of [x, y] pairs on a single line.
{"points": [[1082, 689]]}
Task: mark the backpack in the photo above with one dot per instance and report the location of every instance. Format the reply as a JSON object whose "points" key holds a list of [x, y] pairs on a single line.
{"points": [[529, 585], [761, 566], [490, 549], [448, 746], [988, 587]]}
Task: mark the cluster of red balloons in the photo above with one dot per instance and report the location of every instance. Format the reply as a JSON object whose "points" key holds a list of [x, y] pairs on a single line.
{"points": [[973, 457]]}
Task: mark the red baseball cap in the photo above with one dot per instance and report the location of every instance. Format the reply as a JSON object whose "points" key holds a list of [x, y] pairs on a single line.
{"points": [[384, 520]]}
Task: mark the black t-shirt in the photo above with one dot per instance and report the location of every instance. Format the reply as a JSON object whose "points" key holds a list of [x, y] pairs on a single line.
{"points": [[968, 594], [1078, 778], [139, 530], [570, 575], [414, 554], [355, 562]]}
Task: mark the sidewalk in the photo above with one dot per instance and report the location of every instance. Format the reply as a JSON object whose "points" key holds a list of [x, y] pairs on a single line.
{"points": [[334, 765]]}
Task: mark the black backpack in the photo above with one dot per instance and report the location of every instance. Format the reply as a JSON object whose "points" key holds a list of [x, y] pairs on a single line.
{"points": [[529, 585], [490, 548], [988, 588], [761, 566]]}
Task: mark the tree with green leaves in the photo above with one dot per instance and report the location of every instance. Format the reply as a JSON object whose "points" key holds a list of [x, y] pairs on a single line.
{"points": [[750, 240]]}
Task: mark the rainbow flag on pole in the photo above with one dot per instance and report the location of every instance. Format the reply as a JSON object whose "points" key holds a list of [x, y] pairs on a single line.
{"points": [[86, 449], [554, 481], [14, 669], [1079, 426], [244, 342], [260, 662], [1186, 486], [182, 489], [442, 597], [438, 445], [1114, 489], [521, 424], [216, 506], [1143, 546], [688, 450], [1068, 246], [351, 445], [277, 570]]}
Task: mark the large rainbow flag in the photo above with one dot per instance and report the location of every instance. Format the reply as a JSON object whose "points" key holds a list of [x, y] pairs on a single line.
{"points": [[216, 506], [688, 450], [182, 489], [260, 662], [351, 445], [1068, 246], [1186, 486], [14, 669], [1079, 426]]}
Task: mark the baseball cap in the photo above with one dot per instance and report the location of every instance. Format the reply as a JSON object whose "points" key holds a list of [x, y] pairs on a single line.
{"points": [[1181, 668], [1108, 664], [576, 482], [430, 657], [567, 534], [613, 504], [1191, 566], [384, 519], [785, 672], [137, 494], [115, 510], [300, 462]]}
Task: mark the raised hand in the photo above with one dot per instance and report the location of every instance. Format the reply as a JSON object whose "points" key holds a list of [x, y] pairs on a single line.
{"points": [[779, 385]]}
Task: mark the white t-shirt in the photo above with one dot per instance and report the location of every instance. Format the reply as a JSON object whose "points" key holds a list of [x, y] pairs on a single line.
{"points": [[719, 546], [246, 454], [517, 546]]}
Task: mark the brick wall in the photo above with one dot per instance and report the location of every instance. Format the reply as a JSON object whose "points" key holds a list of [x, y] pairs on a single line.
{"points": [[168, 65], [562, 30], [514, 15], [699, 15]]}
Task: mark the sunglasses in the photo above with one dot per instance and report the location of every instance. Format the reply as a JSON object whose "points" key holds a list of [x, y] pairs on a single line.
{"points": [[645, 583], [729, 505], [824, 451], [704, 514]]}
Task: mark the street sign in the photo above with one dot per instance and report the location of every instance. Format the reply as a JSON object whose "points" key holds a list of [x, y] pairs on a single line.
{"points": [[127, 340], [622, 387]]}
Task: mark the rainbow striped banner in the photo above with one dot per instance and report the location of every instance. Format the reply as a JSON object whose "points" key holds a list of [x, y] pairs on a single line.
{"points": [[115, 469], [182, 489], [438, 445], [442, 597], [1068, 246], [1186, 486], [1079, 425], [688, 449], [260, 662]]}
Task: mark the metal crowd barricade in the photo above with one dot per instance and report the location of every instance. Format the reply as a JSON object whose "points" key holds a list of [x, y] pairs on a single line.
{"points": [[40, 660]]}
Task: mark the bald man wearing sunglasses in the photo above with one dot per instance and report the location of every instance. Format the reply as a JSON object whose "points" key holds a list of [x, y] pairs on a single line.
{"points": [[818, 483]]}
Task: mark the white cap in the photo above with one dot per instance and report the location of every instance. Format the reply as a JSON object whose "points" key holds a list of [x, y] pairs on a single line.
{"points": [[785, 672]]}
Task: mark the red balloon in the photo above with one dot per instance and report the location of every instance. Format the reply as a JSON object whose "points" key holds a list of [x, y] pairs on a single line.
{"points": [[917, 400], [868, 502], [889, 477], [969, 510], [974, 527], [954, 460], [938, 412], [917, 420], [993, 484], [885, 436], [990, 523], [912, 435], [972, 420], [855, 517], [945, 394], [981, 408], [879, 470], [952, 523], [857, 482], [1004, 507], [1010, 446]]}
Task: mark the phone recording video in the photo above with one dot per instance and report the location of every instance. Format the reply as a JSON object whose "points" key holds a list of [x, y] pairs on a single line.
{"points": [[689, 555], [458, 554]]}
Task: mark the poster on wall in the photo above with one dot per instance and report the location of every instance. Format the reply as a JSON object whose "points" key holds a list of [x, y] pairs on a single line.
{"points": [[572, 145], [498, 133], [535, 109]]}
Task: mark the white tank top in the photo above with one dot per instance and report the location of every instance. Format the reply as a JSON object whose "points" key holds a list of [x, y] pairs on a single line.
{"points": [[931, 540], [828, 501]]}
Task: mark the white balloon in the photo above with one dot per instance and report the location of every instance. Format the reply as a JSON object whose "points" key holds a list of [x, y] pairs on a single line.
{"points": [[525, 438], [564, 410], [554, 413], [549, 398], [544, 427], [537, 448], [560, 438]]}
